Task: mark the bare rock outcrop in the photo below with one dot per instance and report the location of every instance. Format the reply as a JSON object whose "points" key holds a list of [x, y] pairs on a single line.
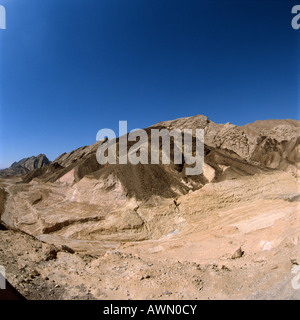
{"points": [[270, 144]]}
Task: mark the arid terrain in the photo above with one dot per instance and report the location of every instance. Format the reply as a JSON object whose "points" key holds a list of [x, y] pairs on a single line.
{"points": [[24, 166], [75, 229]]}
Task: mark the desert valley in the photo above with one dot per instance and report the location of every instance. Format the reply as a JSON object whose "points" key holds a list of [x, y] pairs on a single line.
{"points": [[75, 229]]}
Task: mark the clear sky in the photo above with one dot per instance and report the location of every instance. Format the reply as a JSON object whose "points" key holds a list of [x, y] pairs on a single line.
{"points": [[69, 68]]}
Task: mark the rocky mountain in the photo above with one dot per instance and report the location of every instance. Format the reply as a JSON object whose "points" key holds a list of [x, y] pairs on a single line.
{"points": [[235, 223], [25, 165], [84, 193], [230, 152]]}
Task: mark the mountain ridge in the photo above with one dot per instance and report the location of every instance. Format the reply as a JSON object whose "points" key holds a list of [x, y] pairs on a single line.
{"points": [[25, 165]]}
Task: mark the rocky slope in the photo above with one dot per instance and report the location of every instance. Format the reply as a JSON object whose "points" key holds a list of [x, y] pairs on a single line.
{"points": [[230, 151], [238, 219], [25, 165]]}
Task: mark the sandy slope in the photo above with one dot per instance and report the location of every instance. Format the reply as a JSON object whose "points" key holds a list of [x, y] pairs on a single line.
{"points": [[78, 230], [190, 253]]}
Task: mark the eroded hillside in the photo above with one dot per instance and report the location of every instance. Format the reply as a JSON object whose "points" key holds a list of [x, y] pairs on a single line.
{"points": [[150, 231]]}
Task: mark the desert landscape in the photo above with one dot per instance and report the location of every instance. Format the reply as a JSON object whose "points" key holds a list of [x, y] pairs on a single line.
{"points": [[75, 229]]}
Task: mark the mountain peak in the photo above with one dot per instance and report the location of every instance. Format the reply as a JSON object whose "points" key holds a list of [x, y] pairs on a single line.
{"points": [[25, 165]]}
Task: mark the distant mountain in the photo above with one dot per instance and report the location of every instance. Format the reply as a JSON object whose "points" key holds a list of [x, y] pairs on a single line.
{"points": [[25, 165]]}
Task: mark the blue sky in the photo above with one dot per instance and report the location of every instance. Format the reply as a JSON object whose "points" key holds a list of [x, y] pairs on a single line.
{"points": [[69, 68]]}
